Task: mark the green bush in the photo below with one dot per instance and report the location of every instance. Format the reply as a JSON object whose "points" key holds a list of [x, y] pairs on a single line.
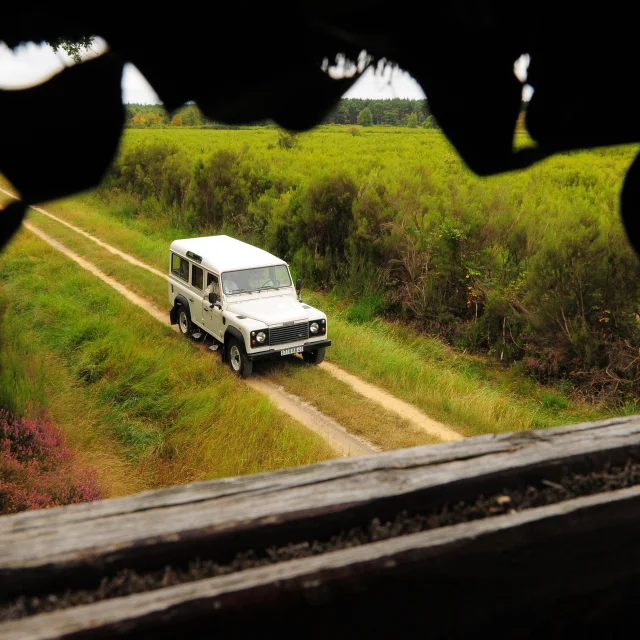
{"points": [[366, 309], [288, 140]]}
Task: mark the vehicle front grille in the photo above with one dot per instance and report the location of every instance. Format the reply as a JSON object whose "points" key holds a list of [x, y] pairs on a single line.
{"points": [[292, 333]]}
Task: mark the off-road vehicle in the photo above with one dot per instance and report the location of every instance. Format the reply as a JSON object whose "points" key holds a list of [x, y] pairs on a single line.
{"points": [[244, 298]]}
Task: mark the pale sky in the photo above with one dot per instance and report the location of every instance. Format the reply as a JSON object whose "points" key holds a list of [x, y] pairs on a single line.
{"points": [[30, 64]]}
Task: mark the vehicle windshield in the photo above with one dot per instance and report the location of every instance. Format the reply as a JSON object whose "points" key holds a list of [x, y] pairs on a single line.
{"points": [[250, 280]]}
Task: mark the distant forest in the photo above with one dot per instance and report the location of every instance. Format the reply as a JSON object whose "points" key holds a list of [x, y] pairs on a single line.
{"points": [[397, 112]]}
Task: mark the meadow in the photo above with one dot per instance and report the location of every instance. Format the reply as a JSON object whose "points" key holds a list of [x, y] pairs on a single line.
{"points": [[467, 391], [144, 407], [531, 268]]}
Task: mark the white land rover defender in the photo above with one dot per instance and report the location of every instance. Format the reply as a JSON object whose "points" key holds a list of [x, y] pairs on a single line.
{"points": [[244, 298]]}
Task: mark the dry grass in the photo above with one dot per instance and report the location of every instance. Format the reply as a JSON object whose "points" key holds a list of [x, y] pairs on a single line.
{"points": [[75, 410], [338, 400]]}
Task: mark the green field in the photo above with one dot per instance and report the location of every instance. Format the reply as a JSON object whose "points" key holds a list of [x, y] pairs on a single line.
{"points": [[467, 392], [383, 428], [157, 398]]}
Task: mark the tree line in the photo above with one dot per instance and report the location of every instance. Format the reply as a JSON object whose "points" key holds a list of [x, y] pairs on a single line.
{"points": [[349, 111], [392, 112]]}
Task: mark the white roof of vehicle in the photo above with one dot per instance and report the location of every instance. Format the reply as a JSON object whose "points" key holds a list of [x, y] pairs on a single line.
{"points": [[223, 253]]}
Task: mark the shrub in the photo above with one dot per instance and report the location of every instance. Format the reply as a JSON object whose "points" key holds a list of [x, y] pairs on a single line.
{"points": [[288, 140], [36, 467]]}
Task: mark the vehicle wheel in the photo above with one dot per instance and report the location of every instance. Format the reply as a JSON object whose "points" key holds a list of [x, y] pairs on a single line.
{"points": [[314, 357], [184, 321], [238, 360]]}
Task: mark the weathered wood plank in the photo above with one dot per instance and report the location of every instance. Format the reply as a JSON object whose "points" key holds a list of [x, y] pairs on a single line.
{"points": [[228, 510], [417, 478], [322, 472], [446, 580]]}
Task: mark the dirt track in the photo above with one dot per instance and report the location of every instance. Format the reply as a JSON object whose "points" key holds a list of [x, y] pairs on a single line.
{"points": [[391, 403], [104, 245], [335, 437], [162, 316], [334, 434]]}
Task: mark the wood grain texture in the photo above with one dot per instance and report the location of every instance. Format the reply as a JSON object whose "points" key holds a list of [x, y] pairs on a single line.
{"points": [[67, 546], [491, 569]]}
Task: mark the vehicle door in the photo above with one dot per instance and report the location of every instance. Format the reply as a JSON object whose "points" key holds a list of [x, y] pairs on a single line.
{"points": [[212, 315], [197, 291]]}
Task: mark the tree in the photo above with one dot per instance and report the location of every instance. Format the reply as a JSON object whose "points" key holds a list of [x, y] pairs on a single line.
{"points": [[412, 121], [176, 121], [73, 48], [390, 117], [191, 116], [377, 109], [154, 118], [430, 123], [365, 117], [343, 114]]}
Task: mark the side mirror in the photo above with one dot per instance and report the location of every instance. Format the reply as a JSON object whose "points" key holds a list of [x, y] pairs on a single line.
{"points": [[299, 285], [213, 297]]}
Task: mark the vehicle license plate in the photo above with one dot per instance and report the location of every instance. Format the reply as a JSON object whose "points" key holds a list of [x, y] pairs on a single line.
{"points": [[288, 352]]}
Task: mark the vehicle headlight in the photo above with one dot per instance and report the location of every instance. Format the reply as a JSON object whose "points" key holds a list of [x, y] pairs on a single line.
{"points": [[314, 327], [261, 336]]}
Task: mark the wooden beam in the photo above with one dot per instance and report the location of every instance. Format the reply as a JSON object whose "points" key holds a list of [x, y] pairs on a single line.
{"points": [[448, 581], [72, 546]]}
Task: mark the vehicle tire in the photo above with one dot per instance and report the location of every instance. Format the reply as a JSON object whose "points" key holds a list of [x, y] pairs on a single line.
{"points": [[184, 321], [238, 361], [314, 357]]}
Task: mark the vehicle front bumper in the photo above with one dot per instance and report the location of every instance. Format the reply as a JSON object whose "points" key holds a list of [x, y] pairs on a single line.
{"points": [[272, 353]]}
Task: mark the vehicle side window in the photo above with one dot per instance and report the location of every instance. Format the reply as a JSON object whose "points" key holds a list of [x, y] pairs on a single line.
{"points": [[196, 277], [180, 267], [213, 283]]}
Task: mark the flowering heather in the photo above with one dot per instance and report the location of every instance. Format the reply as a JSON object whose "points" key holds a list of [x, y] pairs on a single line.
{"points": [[36, 467]]}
